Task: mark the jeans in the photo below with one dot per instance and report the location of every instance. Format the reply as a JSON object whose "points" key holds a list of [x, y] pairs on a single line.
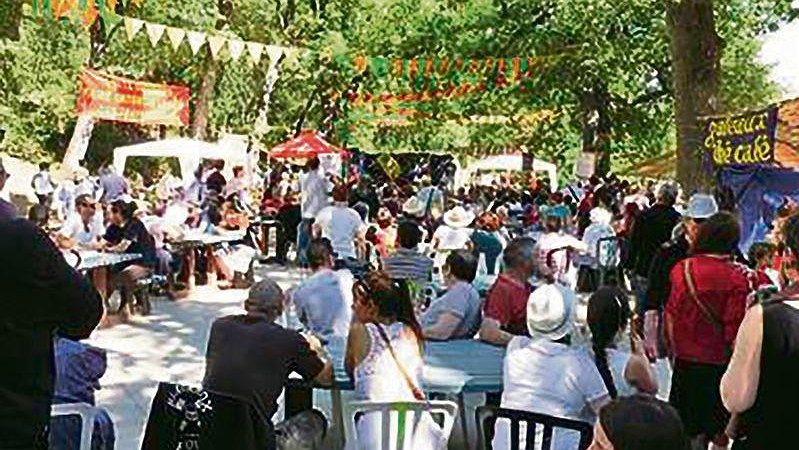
{"points": [[303, 239]]}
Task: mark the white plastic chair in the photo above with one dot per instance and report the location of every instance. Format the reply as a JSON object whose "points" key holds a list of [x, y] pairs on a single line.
{"points": [[87, 415], [394, 413]]}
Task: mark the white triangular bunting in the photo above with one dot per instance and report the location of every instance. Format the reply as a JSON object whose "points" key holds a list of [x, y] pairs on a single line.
{"points": [[132, 26], [236, 48], [154, 31], [196, 40], [215, 43], [255, 50], [274, 53], [176, 36]]}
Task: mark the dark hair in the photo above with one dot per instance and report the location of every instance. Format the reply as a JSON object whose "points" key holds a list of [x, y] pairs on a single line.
{"points": [[313, 163], [790, 231], [608, 313], [519, 251], [44, 166], [408, 234], [643, 422], [341, 193], [392, 298], [462, 265], [760, 250], [319, 252], [39, 215], [718, 235], [552, 223], [126, 210], [362, 209]]}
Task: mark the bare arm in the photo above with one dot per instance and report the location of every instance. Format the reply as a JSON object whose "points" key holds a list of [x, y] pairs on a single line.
{"points": [[639, 372], [740, 382], [491, 332], [443, 328], [357, 347], [64, 242]]}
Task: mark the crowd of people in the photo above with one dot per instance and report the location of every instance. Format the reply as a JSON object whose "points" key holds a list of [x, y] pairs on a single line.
{"points": [[687, 343]]}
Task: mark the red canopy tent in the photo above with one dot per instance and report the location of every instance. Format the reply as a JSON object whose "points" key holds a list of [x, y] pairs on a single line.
{"points": [[307, 145]]}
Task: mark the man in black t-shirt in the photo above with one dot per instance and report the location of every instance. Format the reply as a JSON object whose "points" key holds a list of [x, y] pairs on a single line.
{"points": [[250, 357]]}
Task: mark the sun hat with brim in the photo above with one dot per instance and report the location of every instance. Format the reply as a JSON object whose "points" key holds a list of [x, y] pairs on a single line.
{"points": [[550, 312], [413, 207], [701, 206], [458, 217]]}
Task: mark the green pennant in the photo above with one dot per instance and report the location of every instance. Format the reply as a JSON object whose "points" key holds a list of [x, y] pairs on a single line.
{"points": [[379, 66], [418, 81]]}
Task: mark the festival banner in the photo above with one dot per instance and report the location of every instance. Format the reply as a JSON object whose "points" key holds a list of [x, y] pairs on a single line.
{"points": [[107, 97], [742, 140]]}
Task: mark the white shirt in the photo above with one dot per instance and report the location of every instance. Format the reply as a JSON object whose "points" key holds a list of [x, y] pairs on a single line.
{"points": [[314, 194], [452, 238], [42, 184], [340, 224], [548, 378], [74, 228], [324, 300]]}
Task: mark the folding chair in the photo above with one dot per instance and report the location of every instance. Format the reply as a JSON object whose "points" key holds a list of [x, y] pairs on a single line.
{"points": [[486, 417]]}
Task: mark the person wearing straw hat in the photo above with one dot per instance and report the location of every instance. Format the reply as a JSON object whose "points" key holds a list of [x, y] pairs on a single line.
{"points": [[545, 374], [455, 233]]}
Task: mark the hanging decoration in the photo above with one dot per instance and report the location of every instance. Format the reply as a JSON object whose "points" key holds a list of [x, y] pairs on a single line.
{"points": [[196, 40], [154, 32], [132, 27], [255, 50], [107, 97], [236, 48], [215, 44], [175, 36]]}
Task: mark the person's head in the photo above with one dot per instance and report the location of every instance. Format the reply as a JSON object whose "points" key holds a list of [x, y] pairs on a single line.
{"points": [[489, 222], [718, 235], [608, 314], [760, 254], [378, 298], [238, 171], [86, 206], [461, 265], [519, 256], [408, 234], [700, 208], [552, 223], [550, 312], [265, 299], [341, 193], [667, 194], [384, 217], [320, 254], [122, 212], [362, 209], [44, 167], [3, 175], [312, 164], [639, 422], [219, 164], [39, 215]]}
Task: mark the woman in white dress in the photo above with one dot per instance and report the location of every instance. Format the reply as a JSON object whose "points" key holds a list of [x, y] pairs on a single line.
{"points": [[384, 357]]}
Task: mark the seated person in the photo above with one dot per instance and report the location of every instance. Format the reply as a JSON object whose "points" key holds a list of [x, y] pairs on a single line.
{"points": [[84, 227], [504, 310], [407, 263], [456, 314], [79, 368], [250, 356], [545, 374], [639, 423], [40, 216], [323, 301], [233, 216]]}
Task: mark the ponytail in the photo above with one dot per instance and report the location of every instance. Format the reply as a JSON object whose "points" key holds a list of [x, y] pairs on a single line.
{"points": [[608, 313], [601, 361]]}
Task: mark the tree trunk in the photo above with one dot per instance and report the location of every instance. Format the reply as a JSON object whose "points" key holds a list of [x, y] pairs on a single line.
{"points": [[262, 122], [695, 52], [597, 127], [205, 92]]}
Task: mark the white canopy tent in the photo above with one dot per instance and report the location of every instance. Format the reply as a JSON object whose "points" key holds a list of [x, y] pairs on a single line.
{"points": [[189, 152], [508, 163]]}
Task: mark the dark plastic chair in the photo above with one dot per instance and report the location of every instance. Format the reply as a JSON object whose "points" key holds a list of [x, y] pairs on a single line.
{"points": [[487, 416]]}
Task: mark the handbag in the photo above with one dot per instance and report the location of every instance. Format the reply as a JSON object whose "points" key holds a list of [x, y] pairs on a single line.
{"points": [[735, 426]]}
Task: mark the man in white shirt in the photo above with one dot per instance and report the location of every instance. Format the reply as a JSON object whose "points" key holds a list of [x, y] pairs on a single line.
{"points": [[313, 188], [84, 227], [340, 224], [43, 185]]}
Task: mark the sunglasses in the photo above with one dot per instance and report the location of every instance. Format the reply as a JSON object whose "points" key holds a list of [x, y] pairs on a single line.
{"points": [[88, 205]]}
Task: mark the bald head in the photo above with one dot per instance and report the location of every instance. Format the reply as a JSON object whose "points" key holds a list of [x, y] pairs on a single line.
{"points": [[265, 297]]}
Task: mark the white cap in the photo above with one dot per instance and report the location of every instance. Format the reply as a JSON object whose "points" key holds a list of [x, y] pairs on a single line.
{"points": [[701, 206]]}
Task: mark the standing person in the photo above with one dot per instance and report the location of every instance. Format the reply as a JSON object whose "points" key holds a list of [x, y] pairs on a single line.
{"points": [[113, 186], [289, 215], [505, 307], [455, 233], [195, 193], [323, 301], [488, 241], [215, 181], [408, 263], [43, 185], [545, 374], [313, 191], [700, 208], [456, 314], [639, 423], [7, 209], [760, 382], [342, 225], [649, 232], [384, 354], [705, 308], [42, 297], [552, 250], [251, 357]]}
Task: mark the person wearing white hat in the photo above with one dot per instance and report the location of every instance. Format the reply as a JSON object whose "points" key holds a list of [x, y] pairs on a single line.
{"points": [[545, 374], [700, 207], [455, 233]]}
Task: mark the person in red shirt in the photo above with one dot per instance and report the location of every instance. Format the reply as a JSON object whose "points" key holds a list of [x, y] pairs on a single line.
{"points": [[707, 302], [505, 308]]}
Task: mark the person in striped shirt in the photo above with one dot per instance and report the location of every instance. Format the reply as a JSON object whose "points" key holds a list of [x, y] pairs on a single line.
{"points": [[407, 262]]}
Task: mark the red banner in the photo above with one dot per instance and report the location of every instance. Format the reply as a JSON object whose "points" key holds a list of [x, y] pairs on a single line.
{"points": [[106, 97]]}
